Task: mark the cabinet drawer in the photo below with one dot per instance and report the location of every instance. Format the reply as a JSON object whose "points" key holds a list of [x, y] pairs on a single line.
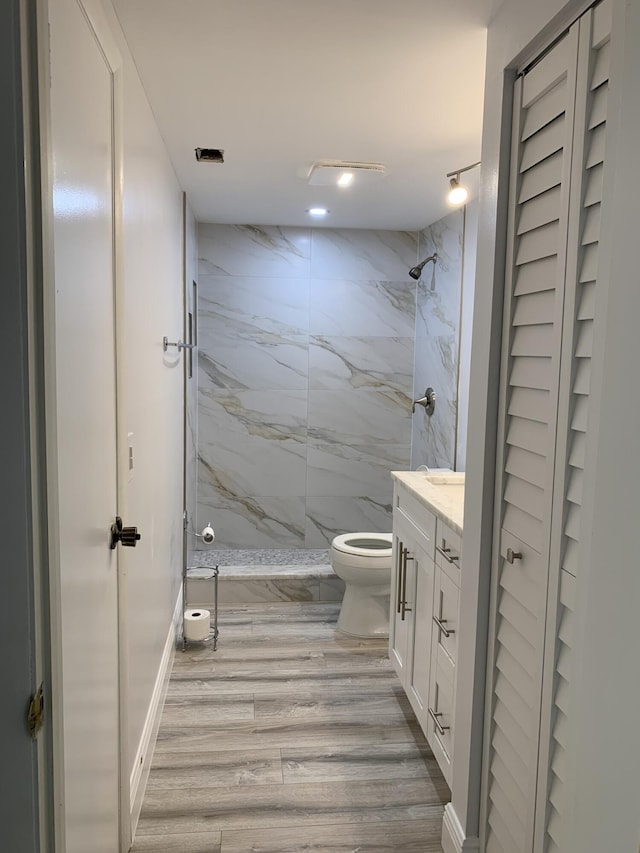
{"points": [[445, 614], [440, 712], [448, 551], [424, 522]]}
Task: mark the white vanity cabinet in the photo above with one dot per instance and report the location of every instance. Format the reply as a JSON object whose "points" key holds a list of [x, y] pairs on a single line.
{"points": [[412, 600], [423, 634]]}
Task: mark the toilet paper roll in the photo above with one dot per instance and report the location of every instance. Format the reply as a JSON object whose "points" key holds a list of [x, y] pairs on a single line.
{"points": [[197, 624]]}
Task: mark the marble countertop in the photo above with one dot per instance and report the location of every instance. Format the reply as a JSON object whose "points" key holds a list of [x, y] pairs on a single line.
{"points": [[445, 500]]}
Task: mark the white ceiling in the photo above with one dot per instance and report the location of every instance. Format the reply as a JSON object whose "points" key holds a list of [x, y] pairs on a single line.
{"points": [[279, 84]]}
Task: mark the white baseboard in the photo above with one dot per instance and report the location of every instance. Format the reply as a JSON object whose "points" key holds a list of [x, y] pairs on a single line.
{"points": [[453, 838], [144, 753]]}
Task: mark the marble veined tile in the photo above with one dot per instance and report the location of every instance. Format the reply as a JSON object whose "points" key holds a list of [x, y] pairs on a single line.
{"points": [[445, 238], [254, 522], [243, 303], [352, 470], [329, 517], [365, 416], [365, 308], [436, 346], [260, 250], [407, 836], [256, 361], [361, 254], [349, 363], [251, 443]]}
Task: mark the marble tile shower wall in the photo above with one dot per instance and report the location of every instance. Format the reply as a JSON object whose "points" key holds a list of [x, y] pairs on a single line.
{"points": [[306, 355], [437, 343]]}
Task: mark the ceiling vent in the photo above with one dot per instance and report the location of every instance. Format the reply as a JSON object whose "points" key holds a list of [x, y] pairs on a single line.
{"points": [[325, 173], [209, 155]]}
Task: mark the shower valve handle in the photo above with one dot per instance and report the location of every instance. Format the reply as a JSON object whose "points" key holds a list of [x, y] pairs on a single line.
{"points": [[428, 401]]}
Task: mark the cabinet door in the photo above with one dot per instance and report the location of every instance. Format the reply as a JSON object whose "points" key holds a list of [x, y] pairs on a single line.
{"points": [[400, 622], [420, 657], [439, 729]]}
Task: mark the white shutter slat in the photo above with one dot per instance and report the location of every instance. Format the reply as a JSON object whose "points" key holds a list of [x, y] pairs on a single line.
{"points": [[600, 73], [601, 31], [541, 177], [531, 373], [574, 490], [539, 210], [543, 144], [530, 404], [570, 557], [532, 340], [525, 464], [589, 264], [534, 308], [580, 414], [582, 382], [525, 496], [540, 243], [529, 435], [587, 306], [591, 231], [516, 613], [536, 276], [544, 76], [545, 110], [520, 711], [595, 147], [593, 194], [584, 345], [598, 113]]}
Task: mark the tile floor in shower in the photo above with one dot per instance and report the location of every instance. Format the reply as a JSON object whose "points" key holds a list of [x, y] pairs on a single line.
{"points": [[289, 738], [251, 561]]}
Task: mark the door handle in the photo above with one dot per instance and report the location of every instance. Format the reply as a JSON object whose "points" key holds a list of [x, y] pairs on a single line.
{"points": [[128, 536], [513, 555]]}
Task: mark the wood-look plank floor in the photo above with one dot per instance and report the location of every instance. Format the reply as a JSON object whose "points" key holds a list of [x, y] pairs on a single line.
{"points": [[289, 738]]}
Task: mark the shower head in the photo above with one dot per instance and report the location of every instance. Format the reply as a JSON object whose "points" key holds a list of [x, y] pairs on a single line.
{"points": [[416, 272]]}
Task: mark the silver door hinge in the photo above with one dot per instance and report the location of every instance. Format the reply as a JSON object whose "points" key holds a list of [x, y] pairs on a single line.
{"points": [[35, 714]]}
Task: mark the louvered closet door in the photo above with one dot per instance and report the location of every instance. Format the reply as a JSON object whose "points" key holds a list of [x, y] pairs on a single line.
{"points": [[552, 829], [536, 259]]}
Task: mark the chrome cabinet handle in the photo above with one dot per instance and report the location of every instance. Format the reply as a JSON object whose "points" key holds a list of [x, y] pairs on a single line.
{"points": [[441, 625], [399, 578], [434, 716], [445, 553], [405, 559], [513, 555]]}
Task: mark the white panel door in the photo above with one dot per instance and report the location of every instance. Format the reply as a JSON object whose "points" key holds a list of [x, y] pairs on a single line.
{"points": [[83, 161]]}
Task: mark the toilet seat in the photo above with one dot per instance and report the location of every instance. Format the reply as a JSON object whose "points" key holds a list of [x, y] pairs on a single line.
{"points": [[370, 545]]}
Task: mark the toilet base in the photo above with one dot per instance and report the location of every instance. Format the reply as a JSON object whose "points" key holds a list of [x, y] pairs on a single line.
{"points": [[364, 612]]}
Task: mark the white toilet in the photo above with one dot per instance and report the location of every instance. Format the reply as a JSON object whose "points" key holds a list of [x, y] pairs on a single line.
{"points": [[363, 561]]}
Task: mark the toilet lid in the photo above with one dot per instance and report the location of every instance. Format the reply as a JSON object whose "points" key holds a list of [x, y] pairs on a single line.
{"points": [[364, 544]]}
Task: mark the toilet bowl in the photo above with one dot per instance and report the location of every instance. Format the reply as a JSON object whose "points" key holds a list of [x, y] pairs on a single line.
{"points": [[363, 561]]}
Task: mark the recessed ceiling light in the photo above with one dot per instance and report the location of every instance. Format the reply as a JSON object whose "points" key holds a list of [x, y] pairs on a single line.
{"points": [[345, 179], [317, 211]]}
